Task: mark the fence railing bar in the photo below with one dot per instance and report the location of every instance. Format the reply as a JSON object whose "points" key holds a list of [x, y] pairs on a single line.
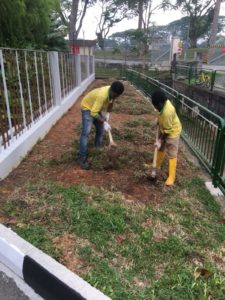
{"points": [[63, 77], [37, 81], [65, 73], [6, 96], [28, 86], [70, 76], [21, 92], [50, 80], [43, 82]]}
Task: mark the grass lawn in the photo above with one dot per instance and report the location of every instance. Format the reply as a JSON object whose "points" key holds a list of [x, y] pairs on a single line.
{"points": [[133, 240]]}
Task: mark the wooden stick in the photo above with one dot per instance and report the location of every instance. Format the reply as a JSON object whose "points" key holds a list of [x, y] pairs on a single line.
{"points": [[111, 142], [153, 174]]}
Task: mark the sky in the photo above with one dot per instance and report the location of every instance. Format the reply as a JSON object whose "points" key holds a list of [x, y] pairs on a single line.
{"points": [[160, 18]]}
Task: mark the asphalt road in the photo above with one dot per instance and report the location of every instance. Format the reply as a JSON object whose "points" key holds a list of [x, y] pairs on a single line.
{"points": [[14, 288]]}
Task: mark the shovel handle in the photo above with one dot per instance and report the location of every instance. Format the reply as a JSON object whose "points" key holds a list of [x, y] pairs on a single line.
{"points": [[111, 141], [156, 150], [110, 137]]}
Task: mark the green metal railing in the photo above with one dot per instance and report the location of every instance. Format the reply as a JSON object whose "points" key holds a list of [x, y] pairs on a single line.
{"points": [[203, 131], [207, 78]]}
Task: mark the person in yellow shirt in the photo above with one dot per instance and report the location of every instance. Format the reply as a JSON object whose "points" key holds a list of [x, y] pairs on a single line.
{"points": [[92, 106], [169, 133]]}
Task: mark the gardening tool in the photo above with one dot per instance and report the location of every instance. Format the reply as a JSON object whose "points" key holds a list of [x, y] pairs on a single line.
{"points": [[111, 141], [153, 173]]}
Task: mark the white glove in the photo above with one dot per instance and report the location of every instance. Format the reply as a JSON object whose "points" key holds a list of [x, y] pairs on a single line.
{"points": [[107, 127], [107, 116], [158, 144]]}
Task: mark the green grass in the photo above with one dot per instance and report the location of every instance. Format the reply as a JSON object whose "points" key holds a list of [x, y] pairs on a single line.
{"points": [[133, 252], [132, 107], [108, 72]]}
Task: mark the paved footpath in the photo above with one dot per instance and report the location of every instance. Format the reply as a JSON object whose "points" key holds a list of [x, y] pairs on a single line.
{"points": [[12, 287]]}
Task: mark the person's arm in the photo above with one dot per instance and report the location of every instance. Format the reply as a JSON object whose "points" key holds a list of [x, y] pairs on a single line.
{"points": [[109, 109], [165, 129], [163, 136], [96, 109]]}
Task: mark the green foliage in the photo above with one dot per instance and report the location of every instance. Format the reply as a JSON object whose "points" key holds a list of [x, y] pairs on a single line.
{"points": [[25, 23], [200, 16], [112, 12]]}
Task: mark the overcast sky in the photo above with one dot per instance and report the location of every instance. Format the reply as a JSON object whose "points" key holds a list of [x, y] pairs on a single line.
{"points": [[160, 18]]}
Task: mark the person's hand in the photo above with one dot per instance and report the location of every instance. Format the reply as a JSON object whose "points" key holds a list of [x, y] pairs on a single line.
{"points": [[107, 127], [107, 116], [158, 144]]}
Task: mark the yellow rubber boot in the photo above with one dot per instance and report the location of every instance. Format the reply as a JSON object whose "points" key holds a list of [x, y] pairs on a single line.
{"points": [[172, 171], [160, 158]]}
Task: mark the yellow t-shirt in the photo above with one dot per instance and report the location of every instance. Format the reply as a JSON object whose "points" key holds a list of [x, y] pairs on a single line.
{"points": [[169, 122], [96, 100]]}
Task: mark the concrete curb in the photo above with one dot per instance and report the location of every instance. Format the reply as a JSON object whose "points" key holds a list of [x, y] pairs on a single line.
{"points": [[46, 276]]}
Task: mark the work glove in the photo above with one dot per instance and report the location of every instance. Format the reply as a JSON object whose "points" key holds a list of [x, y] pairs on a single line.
{"points": [[107, 116], [107, 127], [158, 144]]}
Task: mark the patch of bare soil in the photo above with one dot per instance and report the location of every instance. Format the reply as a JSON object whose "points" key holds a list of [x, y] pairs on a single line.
{"points": [[54, 158]]}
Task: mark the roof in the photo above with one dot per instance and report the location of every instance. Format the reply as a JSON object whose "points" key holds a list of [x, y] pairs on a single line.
{"points": [[86, 43]]}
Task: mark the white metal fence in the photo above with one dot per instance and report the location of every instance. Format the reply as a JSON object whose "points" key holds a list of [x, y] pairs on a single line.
{"points": [[32, 83]]}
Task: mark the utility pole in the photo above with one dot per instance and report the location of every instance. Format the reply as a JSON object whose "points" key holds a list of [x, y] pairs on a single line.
{"points": [[214, 28]]}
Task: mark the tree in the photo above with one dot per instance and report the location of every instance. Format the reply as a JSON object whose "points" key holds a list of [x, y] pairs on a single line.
{"points": [[143, 9], [11, 13], [25, 22], [112, 12], [200, 13], [214, 27], [72, 13], [55, 39]]}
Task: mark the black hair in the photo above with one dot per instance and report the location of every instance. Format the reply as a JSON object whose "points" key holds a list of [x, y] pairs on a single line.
{"points": [[117, 87], [158, 97]]}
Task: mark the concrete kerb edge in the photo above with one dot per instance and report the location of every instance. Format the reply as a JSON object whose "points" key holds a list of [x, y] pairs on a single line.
{"points": [[14, 250]]}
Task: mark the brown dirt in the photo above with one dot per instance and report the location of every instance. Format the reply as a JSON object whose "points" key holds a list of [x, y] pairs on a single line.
{"points": [[45, 162]]}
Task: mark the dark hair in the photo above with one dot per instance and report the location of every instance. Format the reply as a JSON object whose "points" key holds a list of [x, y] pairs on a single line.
{"points": [[158, 97], [117, 87]]}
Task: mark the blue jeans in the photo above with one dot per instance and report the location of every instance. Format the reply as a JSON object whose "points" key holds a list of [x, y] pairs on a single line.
{"points": [[87, 121]]}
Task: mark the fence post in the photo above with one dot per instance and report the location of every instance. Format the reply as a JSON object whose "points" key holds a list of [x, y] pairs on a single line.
{"points": [[213, 78], [189, 74], [93, 64], [56, 85], [87, 63], [218, 155], [78, 69], [178, 103]]}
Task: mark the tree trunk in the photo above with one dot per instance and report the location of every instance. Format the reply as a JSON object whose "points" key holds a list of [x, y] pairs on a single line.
{"points": [[73, 21], [214, 28], [192, 32], [140, 14]]}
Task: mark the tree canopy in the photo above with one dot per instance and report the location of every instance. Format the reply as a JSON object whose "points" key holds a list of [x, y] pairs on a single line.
{"points": [[24, 23], [72, 13], [200, 13]]}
